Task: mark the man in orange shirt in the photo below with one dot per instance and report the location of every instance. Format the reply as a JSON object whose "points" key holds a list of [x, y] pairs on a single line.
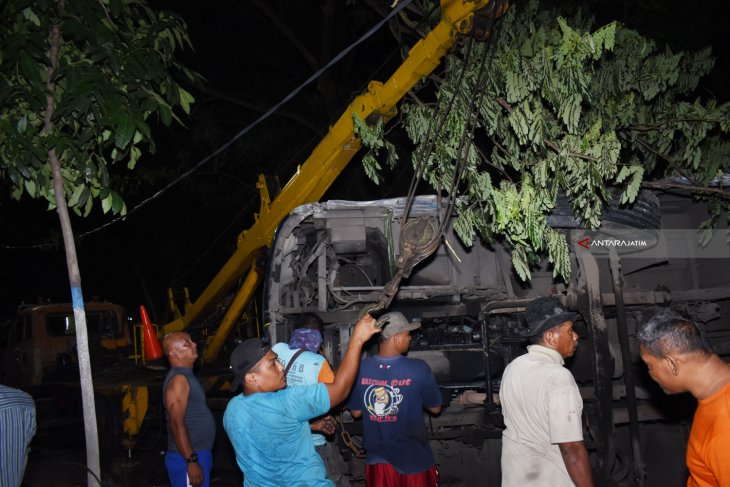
{"points": [[680, 359]]}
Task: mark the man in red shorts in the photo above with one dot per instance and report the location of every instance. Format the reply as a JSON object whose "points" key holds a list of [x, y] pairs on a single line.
{"points": [[390, 394]]}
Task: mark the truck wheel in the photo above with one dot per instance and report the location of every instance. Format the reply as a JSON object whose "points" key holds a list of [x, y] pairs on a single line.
{"points": [[109, 424], [644, 213]]}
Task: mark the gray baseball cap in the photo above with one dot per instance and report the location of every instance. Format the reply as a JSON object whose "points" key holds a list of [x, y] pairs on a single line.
{"points": [[394, 323]]}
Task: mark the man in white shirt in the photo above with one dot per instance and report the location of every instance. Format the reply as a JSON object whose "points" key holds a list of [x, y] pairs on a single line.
{"points": [[542, 445]]}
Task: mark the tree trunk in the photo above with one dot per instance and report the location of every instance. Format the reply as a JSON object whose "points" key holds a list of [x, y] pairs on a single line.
{"points": [[82, 338], [74, 277]]}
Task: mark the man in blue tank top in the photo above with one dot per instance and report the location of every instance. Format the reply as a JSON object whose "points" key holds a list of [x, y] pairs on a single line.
{"points": [[190, 423], [390, 394]]}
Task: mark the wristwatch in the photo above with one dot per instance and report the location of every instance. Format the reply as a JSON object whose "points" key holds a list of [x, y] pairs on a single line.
{"points": [[192, 458]]}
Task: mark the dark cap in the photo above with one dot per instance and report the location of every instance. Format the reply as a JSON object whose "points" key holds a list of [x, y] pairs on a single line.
{"points": [[394, 323], [244, 357], [545, 313]]}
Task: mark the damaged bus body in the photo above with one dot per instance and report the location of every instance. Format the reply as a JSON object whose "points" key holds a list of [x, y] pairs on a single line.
{"points": [[334, 258]]}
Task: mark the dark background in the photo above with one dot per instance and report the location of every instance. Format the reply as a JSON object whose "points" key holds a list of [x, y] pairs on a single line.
{"points": [[252, 54]]}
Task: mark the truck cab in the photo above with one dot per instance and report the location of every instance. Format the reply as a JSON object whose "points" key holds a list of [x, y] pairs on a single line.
{"points": [[39, 343]]}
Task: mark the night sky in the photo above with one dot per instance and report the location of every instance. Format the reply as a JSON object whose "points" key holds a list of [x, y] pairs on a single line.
{"points": [[252, 54]]}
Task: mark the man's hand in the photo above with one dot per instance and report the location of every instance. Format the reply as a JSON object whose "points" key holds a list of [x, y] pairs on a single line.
{"points": [[340, 388], [195, 474], [324, 425], [364, 329]]}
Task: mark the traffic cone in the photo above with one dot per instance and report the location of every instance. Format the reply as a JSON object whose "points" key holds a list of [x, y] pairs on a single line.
{"points": [[152, 347]]}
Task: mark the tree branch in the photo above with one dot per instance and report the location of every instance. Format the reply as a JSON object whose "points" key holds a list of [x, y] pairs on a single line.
{"points": [[697, 189], [669, 160], [325, 85], [665, 123], [503, 103], [490, 163], [287, 33], [260, 107]]}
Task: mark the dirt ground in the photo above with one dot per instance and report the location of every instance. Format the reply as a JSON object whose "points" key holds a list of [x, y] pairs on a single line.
{"points": [[66, 468], [61, 462]]}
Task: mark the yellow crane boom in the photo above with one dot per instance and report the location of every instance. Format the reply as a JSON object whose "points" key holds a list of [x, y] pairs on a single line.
{"points": [[328, 160]]}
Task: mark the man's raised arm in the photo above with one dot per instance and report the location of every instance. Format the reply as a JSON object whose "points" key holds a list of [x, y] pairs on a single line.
{"points": [[345, 376]]}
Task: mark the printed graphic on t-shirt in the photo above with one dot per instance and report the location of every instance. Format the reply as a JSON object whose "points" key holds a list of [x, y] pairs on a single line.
{"points": [[382, 402]]}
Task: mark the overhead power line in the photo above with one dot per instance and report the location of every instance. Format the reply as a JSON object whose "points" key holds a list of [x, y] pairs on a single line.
{"points": [[241, 133]]}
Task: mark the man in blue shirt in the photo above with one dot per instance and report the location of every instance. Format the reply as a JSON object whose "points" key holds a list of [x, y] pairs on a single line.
{"points": [[392, 391], [268, 424]]}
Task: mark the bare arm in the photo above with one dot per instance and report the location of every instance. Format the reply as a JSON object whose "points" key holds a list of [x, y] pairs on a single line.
{"points": [[340, 388], [575, 457], [434, 410], [355, 413], [176, 401]]}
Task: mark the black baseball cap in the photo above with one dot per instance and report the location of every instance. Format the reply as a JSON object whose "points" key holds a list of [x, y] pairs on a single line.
{"points": [[244, 357], [545, 313]]}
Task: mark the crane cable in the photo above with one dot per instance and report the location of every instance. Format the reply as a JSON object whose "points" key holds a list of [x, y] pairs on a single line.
{"points": [[466, 138], [431, 137], [437, 124]]}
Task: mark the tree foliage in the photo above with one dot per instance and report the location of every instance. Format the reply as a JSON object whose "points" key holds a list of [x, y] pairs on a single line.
{"points": [[373, 137], [563, 108], [78, 85], [114, 80]]}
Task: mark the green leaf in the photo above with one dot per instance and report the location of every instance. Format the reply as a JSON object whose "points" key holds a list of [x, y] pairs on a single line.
{"points": [[117, 203], [124, 130], [520, 264], [30, 187], [371, 166], [516, 87], [569, 112], [31, 16], [106, 203], [75, 199], [15, 177], [636, 173], [186, 99], [134, 155], [89, 205], [165, 115], [22, 124], [464, 226], [30, 69]]}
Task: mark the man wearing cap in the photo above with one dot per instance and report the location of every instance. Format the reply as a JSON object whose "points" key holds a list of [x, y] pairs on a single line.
{"points": [[268, 424], [390, 394], [543, 442], [190, 423]]}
